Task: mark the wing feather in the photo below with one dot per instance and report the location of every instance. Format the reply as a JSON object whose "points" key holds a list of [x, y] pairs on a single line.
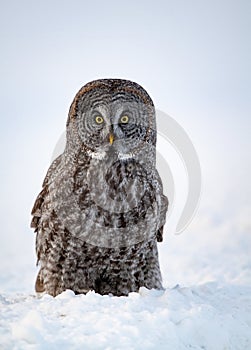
{"points": [[38, 205]]}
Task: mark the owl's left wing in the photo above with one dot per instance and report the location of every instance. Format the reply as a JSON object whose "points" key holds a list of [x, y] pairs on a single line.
{"points": [[162, 218], [163, 206]]}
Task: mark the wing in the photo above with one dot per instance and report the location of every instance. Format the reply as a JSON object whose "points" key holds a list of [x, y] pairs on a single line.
{"points": [[37, 213], [163, 209], [38, 205]]}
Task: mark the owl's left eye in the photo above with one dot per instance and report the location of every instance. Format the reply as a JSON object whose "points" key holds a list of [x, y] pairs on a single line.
{"points": [[124, 119], [99, 119]]}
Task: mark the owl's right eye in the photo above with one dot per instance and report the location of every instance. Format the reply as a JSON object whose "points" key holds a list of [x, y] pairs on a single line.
{"points": [[99, 119]]}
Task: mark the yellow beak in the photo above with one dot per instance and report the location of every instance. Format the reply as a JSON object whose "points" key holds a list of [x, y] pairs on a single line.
{"points": [[111, 138]]}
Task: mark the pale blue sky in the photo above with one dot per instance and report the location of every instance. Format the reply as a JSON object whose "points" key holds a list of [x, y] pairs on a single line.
{"points": [[193, 57]]}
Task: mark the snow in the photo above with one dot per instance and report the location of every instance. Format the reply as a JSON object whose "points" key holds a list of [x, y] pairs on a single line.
{"points": [[201, 317]]}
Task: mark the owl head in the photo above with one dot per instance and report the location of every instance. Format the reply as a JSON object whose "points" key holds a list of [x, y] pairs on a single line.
{"points": [[113, 117]]}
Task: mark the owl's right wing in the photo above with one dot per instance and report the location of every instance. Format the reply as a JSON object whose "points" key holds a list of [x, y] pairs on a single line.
{"points": [[38, 205], [39, 212]]}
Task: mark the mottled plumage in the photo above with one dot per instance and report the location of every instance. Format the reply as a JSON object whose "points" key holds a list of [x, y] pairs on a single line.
{"points": [[102, 210]]}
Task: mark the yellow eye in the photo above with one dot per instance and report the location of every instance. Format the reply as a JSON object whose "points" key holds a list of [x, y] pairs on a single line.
{"points": [[99, 119], [124, 119]]}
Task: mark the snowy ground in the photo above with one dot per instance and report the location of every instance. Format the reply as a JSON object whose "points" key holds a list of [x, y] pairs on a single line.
{"points": [[201, 317], [206, 303]]}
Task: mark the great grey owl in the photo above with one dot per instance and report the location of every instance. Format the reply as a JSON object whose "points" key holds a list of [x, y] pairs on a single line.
{"points": [[102, 209]]}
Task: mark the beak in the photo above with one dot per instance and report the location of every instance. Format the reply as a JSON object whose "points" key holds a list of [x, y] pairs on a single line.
{"points": [[111, 138]]}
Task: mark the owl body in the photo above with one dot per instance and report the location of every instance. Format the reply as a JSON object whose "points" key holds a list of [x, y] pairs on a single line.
{"points": [[102, 209]]}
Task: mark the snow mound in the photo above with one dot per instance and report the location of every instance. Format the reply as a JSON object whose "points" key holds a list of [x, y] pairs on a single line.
{"points": [[207, 316]]}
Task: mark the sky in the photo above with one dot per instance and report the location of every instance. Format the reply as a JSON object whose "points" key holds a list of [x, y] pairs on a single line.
{"points": [[193, 57]]}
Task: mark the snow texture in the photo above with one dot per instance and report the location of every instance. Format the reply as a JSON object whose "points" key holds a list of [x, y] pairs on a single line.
{"points": [[200, 317]]}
